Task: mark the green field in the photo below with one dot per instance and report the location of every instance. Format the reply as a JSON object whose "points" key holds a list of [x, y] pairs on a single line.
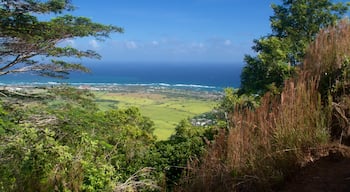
{"points": [[164, 110]]}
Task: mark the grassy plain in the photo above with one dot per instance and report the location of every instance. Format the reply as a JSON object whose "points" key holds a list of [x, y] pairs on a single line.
{"points": [[165, 110]]}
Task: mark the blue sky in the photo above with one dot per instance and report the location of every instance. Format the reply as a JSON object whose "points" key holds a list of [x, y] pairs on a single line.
{"points": [[210, 31]]}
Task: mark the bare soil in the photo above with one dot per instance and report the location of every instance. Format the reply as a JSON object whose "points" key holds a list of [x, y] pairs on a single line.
{"points": [[330, 173]]}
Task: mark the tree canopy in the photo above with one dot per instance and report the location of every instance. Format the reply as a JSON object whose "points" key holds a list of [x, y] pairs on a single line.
{"points": [[63, 142], [28, 44], [294, 25]]}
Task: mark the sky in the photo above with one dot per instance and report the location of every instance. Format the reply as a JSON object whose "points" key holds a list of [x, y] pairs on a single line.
{"points": [[176, 31]]}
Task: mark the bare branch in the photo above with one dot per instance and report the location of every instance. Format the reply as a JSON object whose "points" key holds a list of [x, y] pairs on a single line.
{"points": [[14, 62]]}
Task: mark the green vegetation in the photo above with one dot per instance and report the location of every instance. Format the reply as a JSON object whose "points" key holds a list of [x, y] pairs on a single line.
{"points": [[294, 25], [61, 140], [158, 106], [269, 143], [296, 118], [68, 139], [69, 145], [65, 139]]}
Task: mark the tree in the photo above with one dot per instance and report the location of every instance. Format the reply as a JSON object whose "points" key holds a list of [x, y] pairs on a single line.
{"points": [[62, 142], [30, 45], [294, 25], [172, 156], [232, 101]]}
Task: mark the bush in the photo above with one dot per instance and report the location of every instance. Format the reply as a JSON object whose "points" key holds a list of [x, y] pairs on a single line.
{"points": [[264, 146]]}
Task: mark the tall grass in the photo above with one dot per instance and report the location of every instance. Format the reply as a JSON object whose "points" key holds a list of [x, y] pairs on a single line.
{"points": [[330, 51], [266, 145], [328, 60]]}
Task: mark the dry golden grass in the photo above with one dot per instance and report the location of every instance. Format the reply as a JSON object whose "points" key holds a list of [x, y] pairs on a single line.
{"points": [[329, 51], [266, 145]]}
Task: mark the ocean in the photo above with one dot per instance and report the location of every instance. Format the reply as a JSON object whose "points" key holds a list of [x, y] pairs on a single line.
{"points": [[200, 76]]}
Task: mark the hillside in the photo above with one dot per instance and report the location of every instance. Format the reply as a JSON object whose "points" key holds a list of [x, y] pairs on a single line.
{"points": [[285, 140], [331, 172]]}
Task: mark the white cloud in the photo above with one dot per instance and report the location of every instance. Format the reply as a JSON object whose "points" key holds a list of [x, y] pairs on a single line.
{"points": [[218, 43], [228, 42], [94, 44], [211, 49], [197, 45], [131, 45], [155, 43], [200, 45]]}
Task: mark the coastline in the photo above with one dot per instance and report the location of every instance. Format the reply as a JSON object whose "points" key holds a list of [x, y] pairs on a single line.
{"points": [[174, 90], [156, 101]]}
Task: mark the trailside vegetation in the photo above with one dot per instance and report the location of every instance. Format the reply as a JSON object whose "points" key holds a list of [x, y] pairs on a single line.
{"points": [[266, 145], [59, 140], [62, 141], [300, 81]]}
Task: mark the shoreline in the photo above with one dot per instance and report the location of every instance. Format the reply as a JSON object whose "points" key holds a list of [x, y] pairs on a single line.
{"points": [[108, 84], [176, 90]]}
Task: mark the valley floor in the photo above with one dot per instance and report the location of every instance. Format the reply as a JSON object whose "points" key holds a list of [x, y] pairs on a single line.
{"points": [[165, 107]]}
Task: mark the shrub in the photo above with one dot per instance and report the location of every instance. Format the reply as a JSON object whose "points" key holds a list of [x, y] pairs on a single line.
{"points": [[265, 145]]}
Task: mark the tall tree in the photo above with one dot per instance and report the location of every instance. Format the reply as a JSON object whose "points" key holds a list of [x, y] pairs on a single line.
{"points": [[294, 25], [28, 44]]}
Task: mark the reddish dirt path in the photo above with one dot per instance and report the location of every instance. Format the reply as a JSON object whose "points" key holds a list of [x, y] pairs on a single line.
{"points": [[328, 174]]}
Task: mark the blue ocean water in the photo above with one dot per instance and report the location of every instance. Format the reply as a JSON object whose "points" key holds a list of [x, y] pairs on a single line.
{"points": [[207, 76]]}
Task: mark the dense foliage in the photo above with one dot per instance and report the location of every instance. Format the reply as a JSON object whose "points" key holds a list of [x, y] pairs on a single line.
{"points": [[294, 25], [275, 125], [265, 146], [69, 145], [59, 140]]}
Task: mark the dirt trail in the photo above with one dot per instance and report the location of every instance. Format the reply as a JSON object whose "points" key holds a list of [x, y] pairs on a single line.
{"points": [[328, 174]]}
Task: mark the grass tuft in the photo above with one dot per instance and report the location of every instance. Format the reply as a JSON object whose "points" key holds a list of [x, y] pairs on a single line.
{"points": [[266, 145]]}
